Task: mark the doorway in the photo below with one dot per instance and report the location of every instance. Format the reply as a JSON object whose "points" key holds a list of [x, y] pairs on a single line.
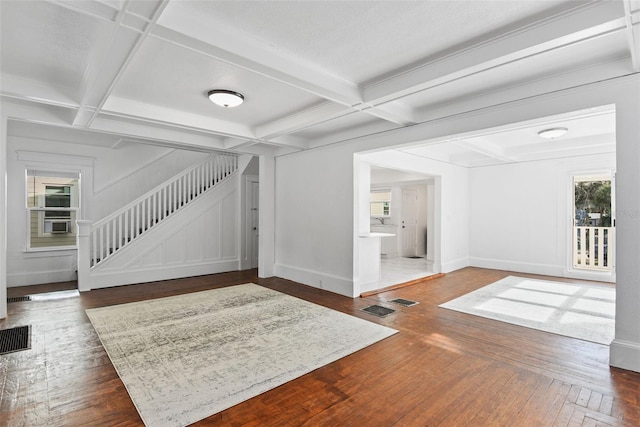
{"points": [[409, 226], [408, 252], [253, 210], [593, 222]]}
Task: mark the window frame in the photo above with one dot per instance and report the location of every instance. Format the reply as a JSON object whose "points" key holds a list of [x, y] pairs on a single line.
{"points": [[42, 209], [384, 201]]}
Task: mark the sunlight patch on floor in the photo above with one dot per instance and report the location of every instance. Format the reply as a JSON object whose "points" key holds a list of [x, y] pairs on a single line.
{"points": [[517, 309], [534, 297], [585, 311]]}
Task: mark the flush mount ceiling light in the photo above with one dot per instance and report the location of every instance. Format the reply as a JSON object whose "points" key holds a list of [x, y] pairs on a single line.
{"points": [[225, 98], [552, 133]]}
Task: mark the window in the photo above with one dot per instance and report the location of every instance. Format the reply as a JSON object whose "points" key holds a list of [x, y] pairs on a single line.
{"points": [[380, 203], [52, 207]]}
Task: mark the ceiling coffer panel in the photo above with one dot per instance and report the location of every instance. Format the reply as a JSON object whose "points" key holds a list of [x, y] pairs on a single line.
{"points": [[50, 44], [168, 76]]}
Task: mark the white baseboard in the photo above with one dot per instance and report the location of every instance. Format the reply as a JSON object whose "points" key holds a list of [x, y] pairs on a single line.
{"points": [[542, 269], [591, 275], [316, 279], [625, 355], [39, 277], [154, 274], [521, 267], [454, 265]]}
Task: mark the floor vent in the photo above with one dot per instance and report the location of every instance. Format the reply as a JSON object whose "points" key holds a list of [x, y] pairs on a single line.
{"points": [[15, 339], [18, 299], [405, 302], [378, 310]]}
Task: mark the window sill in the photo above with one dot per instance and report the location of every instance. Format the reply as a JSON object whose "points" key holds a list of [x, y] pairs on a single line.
{"points": [[51, 251]]}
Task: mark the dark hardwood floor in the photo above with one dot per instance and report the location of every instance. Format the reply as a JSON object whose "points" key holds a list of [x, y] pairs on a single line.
{"points": [[444, 368]]}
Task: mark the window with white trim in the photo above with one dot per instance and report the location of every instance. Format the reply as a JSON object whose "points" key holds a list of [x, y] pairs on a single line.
{"points": [[380, 203], [52, 206]]}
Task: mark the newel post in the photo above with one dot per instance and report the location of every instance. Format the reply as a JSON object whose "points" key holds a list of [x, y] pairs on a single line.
{"points": [[84, 254]]}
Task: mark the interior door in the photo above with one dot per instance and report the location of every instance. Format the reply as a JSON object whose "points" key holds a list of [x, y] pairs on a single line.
{"points": [[409, 234], [254, 223]]}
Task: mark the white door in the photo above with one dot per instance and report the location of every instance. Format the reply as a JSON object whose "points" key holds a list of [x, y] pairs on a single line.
{"points": [[253, 224], [409, 235]]}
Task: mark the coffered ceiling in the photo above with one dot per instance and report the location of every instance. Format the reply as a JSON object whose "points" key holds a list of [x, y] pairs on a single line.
{"points": [[312, 72]]}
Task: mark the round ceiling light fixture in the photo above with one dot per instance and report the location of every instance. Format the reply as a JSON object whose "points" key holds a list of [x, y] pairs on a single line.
{"points": [[225, 98], [552, 133]]}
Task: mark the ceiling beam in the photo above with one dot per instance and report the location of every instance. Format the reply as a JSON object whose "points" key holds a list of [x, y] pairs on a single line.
{"points": [[632, 24], [314, 115], [16, 108], [571, 27], [35, 91], [162, 135], [111, 59], [392, 111], [132, 110], [237, 143], [94, 9]]}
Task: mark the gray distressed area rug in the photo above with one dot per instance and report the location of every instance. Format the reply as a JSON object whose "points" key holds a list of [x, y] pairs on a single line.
{"points": [[187, 357], [580, 311]]}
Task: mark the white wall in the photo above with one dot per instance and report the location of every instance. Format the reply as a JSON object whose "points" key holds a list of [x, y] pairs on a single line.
{"points": [[521, 215], [315, 211], [3, 215], [625, 348], [110, 179], [304, 178], [314, 218]]}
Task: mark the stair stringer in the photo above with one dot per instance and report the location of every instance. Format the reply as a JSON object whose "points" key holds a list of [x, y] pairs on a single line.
{"points": [[201, 238]]}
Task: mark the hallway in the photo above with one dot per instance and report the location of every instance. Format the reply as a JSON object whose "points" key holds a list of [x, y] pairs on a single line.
{"points": [[394, 271]]}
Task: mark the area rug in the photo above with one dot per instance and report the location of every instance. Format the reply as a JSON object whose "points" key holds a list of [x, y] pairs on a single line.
{"points": [[580, 311], [187, 357]]}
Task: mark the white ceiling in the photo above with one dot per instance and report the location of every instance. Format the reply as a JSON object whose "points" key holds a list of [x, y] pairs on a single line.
{"points": [[312, 72], [589, 132]]}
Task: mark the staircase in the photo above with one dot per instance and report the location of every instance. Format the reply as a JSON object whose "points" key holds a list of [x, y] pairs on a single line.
{"points": [[117, 233]]}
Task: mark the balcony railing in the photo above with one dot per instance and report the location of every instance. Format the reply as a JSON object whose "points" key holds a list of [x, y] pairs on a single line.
{"points": [[591, 248]]}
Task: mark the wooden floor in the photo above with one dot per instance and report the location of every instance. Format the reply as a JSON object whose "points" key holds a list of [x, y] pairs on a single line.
{"points": [[444, 368]]}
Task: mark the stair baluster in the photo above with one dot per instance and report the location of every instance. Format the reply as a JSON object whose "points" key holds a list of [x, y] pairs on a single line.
{"points": [[122, 227]]}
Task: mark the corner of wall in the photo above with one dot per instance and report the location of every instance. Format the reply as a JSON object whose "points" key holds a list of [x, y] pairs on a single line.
{"points": [[3, 216], [455, 264], [625, 355], [316, 279]]}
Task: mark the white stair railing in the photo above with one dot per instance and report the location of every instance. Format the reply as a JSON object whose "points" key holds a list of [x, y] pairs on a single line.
{"points": [[123, 226]]}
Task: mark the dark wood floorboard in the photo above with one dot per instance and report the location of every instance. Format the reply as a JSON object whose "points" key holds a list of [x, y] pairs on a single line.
{"points": [[444, 368]]}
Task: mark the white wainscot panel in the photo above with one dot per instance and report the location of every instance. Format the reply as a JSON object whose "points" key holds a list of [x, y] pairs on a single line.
{"points": [[213, 233], [153, 257], [229, 215], [174, 248], [194, 241]]}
